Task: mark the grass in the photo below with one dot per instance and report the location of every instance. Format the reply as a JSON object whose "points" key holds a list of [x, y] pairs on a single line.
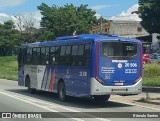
{"points": [[151, 76], [8, 70], [151, 81], [9, 67], [152, 70]]}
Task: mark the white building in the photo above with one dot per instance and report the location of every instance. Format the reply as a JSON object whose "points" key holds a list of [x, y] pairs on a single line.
{"points": [[131, 29]]}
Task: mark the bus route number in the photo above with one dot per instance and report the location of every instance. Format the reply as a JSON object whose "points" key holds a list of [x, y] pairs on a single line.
{"points": [[132, 65]]}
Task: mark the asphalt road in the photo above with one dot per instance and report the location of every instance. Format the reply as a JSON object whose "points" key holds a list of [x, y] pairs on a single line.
{"points": [[14, 98]]}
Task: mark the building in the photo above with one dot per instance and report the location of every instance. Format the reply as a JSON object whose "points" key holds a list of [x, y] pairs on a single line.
{"points": [[131, 29], [121, 28], [102, 28]]}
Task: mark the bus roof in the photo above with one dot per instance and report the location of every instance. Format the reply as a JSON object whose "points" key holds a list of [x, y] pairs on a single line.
{"points": [[79, 38]]}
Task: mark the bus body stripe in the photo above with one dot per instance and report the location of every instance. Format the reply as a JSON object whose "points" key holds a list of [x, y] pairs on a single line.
{"points": [[140, 60], [96, 71], [51, 87], [43, 80]]}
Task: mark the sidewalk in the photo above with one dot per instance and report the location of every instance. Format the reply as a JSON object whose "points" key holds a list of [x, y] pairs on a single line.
{"points": [[140, 99]]}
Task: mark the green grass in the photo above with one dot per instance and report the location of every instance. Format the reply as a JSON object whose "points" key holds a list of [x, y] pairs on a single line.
{"points": [[151, 76], [151, 81], [8, 68], [152, 70]]}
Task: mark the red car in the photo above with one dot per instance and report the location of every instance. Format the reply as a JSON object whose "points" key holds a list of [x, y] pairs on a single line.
{"points": [[146, 58]]}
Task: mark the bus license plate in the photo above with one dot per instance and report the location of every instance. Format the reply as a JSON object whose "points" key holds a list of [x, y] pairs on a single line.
{"points": [[118, 84]]}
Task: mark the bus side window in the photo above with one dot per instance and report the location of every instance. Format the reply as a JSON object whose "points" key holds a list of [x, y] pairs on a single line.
{"points": [[29, 56], [43, 56], [57, 53], [87, 54], [34, 52], [52, 55], [68, 59], [27, 59], [25, 55], [74, 55], [81, 55], [62, 55], [47, 55], [38, 56]]}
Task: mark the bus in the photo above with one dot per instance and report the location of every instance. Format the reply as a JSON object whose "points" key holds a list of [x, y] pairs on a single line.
{"points": [[85, 65]]}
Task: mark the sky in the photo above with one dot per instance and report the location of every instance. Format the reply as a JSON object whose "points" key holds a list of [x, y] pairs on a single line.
{"points": [[109, 9]]}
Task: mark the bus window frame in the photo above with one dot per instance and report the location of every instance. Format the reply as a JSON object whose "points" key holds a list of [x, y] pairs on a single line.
{"points": [[119, 57]]}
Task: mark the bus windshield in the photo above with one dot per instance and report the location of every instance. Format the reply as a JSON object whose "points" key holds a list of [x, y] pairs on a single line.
{"points": [[119, 50]]}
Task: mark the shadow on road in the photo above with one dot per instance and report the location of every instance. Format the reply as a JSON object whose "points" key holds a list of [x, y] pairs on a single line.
{"points": [[85, 103]]}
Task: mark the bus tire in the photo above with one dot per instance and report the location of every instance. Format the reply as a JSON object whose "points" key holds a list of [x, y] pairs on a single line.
{"points": [[61, 91], [28, 82], [101, 98]]}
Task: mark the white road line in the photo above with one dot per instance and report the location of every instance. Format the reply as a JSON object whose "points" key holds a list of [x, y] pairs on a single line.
{"points": [[43, 107], [33, 102]]}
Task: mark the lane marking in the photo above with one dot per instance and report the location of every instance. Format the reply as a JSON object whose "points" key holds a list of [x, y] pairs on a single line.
{"points": [[33, 102], [43, 107]]}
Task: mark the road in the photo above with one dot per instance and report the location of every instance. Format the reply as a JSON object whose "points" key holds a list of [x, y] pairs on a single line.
{"points": [[14, 98]]}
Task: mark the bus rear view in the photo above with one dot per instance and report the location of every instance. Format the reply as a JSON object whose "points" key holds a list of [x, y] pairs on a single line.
{"points": [[82, 66], [118, 67]]}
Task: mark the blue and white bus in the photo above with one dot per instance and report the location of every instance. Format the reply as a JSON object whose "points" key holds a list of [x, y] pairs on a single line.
{"points": [[82, 66]]}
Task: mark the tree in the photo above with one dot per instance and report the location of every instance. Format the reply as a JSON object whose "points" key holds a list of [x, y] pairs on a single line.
{"points": [[9, 25], [26, 26], [149, 13], [9, 37], [61, 21]]}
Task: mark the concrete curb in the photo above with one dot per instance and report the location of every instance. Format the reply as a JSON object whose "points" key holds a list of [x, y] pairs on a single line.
{"points": [[151, 89]]}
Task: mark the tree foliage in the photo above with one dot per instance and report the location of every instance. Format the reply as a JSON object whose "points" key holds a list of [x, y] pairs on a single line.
{"points": [[65, 20], [8, 35], [149, 12]]}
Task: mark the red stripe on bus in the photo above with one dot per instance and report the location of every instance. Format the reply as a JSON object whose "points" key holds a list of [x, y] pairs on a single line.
{"points": [[52, 80], [96, 71], [141, 60]]}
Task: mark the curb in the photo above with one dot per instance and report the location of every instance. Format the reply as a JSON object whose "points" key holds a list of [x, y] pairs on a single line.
{"points": [[151, 89]]}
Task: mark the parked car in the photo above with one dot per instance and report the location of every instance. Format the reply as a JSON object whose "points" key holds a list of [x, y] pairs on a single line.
{"points": [[155, 58], [146, 58]]}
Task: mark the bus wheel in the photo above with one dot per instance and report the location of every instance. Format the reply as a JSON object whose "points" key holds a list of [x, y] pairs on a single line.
{"points": [[61, 91], [101, 98], [30, 90]]}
